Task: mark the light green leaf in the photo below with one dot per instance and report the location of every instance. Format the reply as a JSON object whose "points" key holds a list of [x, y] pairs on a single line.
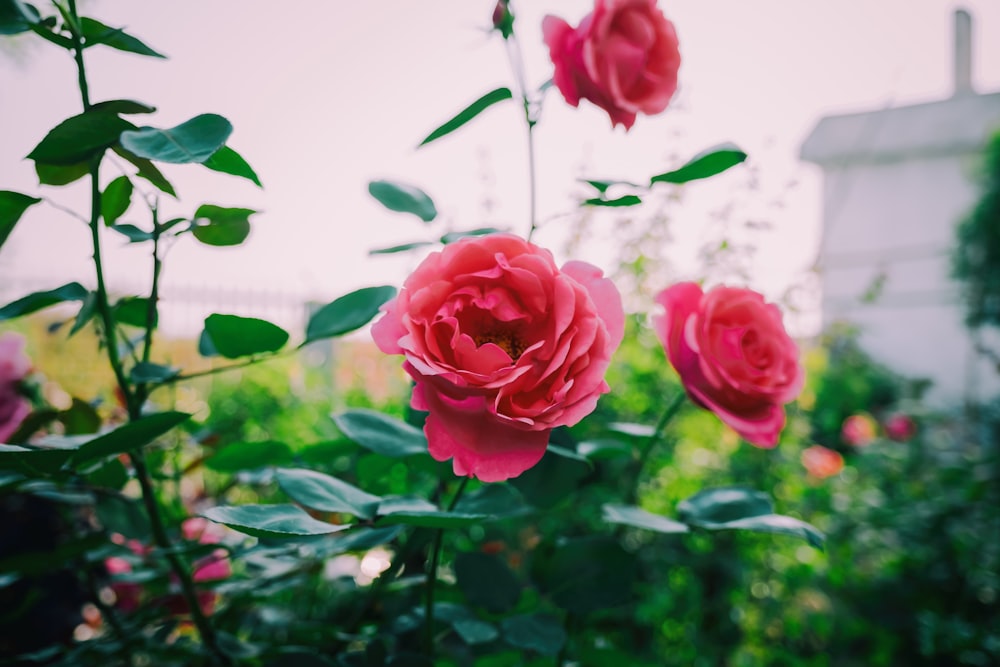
{"points": [[381, 433], [349, 312], [709, 162], [468, 113], [194, 140], [430, 518], [95, 32], [12, 207], [39, 300], [271, 521], [403, 198], [775, 523], [451, 237], [228, 161], [326, 494], [116, 199], [400, 248], [133, 233], [723, 504], [233, 336], [639, 518], [219, 226]]}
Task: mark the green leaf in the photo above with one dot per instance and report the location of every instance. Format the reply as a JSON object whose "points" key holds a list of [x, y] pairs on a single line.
{"points": [[473, 631], [133, 233], [326, 494], [349, 312], [12, 207], [58, 174], [133, 311], [553, 480], [116, 199], [403, 198], [585, 574], [400, 248], [80, 138], [233, 336], [775, 523], [39, 300], [639, 518], [427, 518], [499, 500], [722, 505], [632, 429], [709, 162], [381, 433], [145, 372], [270, 521], [33, 462], [122, 107], [486, 581], [147, 170], [79, 418], [129, 437], [17, 17], [228, 161], [249, 456], [603, 448], [218, 226], [111, 475], [603, 185], [51, 559], [95, 32], [451, 237], [542, 633], [194, 140], [468, 113], [624, 200]]}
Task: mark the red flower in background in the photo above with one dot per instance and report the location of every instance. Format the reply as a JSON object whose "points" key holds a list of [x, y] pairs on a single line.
{"points": [[859, 430], [504, 346], [821, 462], [900, 427], [623, 57], [733, 356]]}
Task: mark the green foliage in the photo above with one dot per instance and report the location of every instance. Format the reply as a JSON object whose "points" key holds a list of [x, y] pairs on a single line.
{"points": [[12, 207], [349, 312], [468, 113], [403, 198], [708, 163], [233, 336], [195, 140]]}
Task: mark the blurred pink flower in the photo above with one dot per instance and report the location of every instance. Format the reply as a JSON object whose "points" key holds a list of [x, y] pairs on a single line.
{"points": [[733, 356], [14, 367], [900, 427], [859, 430], [623, 57], [504, 347], [821, 462]]}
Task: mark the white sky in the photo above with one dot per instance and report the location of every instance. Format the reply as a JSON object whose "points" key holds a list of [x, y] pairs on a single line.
{"points": [[325, 96]]}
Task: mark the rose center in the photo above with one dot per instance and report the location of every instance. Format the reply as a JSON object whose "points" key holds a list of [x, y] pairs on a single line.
{"points": [[505, 340]]}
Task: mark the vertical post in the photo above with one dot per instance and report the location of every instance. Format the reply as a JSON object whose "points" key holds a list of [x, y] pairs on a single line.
{"points": [[963, 52]]}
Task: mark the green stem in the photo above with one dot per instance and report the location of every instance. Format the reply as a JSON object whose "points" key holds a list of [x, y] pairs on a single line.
{"points": [[517, 66], [432, 575], [672, 409]]}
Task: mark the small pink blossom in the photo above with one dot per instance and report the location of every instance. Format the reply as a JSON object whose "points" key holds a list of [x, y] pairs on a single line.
{"points": [[14, 367], [859, 430], [900, 427], [821, 462]]}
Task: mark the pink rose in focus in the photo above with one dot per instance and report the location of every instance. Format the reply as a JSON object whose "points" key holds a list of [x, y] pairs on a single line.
{"points": [[859, 430], [900, 427], [821, 462], [14, 367], [504, 346], [623, 57], [733, 356]]}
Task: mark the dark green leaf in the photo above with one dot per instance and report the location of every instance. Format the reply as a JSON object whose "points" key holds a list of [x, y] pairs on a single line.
{"points": [[147, 170], [552, 480], [51, 560], [542, 633], [111, 475], [16, 17], [394, 504], [122, 107], [349, 312], [493, 499], [38, 300], [116, 199], [228, 161], [400, 248], [468, 113], [129, 437], [774, 523], [602, 186], [722, 505], [326, 494], [249, 456], [233, 336], [44, 31], [194, 140], [429, 518], [79, 418], [624, 200], [33, 462], [270, 521], [218, 226], [403, 198], [380, 433], [585, 574], [473, 631], [637, 517], [362, 538], [58, 174], [133, 233], [206, 347], [603, 448], [486, 581], [86, 313], [133, 310], [146, 372], [80, 138], [451, 237], [12, 207], [709, 162], [288, 656], [95, 32]]}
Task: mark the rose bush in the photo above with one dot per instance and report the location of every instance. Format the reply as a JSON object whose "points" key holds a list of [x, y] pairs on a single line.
{"points": [[623, 57], [733, 356], [14, 367], [504, 347]]}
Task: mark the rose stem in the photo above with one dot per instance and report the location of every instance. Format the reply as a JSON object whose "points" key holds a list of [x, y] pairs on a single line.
{"points": [[432, 575], [517, 66], [672, 409]]}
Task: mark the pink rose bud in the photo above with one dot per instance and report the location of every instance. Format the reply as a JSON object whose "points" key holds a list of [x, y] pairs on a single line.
{"points": [[503, 20], [821, 462], [859, 430], [14, 367], [733, 356], [623, 57], [900, 427], [504, 346]]}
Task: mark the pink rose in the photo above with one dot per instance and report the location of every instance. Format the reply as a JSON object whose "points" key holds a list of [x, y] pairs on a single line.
{"points": [[14, 367], [504, 347], [900, 427], [821, 462], [623, 57], [733, 356], [859, 430]]}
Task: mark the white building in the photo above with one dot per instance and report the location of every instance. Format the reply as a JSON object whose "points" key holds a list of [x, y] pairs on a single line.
{"points": [[896, 182]]}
